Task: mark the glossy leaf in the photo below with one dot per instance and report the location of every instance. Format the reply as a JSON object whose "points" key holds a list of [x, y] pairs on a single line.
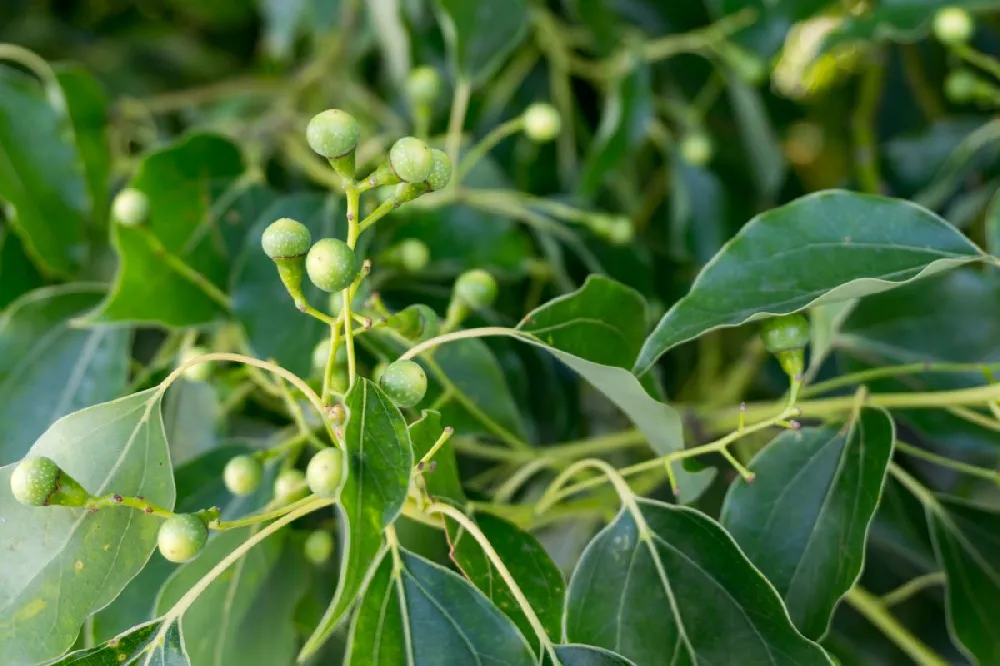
{"points": [[625, 119], [698, 212], [682, 563], [764, 157], [87, 107], [966, 540], [534, 571], [188, 185], [481, 35], [245, 615], [444, 481], [48, 368], [274, 327], [118, 447], [598, 323], [139, 646], [191, 417], [821, 248], [41, 175], [804, 521], [379, 460], [416, 613], [588, 655]]}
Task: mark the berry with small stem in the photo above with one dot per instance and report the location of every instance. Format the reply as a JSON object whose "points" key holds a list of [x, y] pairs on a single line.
{"points": [[785, 333], [318, 547], [476, 288], [325, 472], [411, 160], [290, 486], [286, 242], [440, 174], [334, 134], [423, 86], [181, 537], [542, 122], [39, 481], [243, 475], [130, 207], [198, 372], [331, 264], [953, 26], [415, 322], [404, 382], [620, 231]]}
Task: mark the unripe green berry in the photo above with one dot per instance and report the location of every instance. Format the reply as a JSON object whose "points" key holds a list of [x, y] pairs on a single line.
{"points": [[961, 86], [290, 486], [620, 231], [415, 322], [325, 472], [318, 547], [181, 537], [198, 372], [243, 475], [130, 207], [476, 289], [953, 25], [286, 239], [542, 122], [785, 333], [411, 160], [404, 382], [333, 133], [413, 255], [440, 171], [696, 148], [423, 86], [41, 482], [331, 264]]}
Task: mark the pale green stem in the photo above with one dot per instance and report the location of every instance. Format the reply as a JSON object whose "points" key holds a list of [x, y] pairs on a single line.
{"points": [[459, 107], [965, 468], [177, 265], [868, 605], [427, 345], [353, 209], [477, 152], [855, 378], [912, 587]]}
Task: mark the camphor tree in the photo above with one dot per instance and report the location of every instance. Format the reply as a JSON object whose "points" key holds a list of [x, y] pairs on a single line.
{"points": [[670, 340]]}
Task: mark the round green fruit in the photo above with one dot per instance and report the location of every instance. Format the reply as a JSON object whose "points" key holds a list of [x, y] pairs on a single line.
{"points": [[423, 86], [542, 122], [785, 333], [318, 547], [476, 289], [404, 382], [620, 231], [413, 255], [961, 86], [953, 25], [286, 239], [243, 475], [325, 472], [130, 207], [290, 486], [696, 148], [181, 537], [440, 170], [333, 133], [331, 264], [411, 160]]}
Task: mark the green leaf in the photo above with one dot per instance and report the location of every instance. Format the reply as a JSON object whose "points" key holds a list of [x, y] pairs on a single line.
{"points": [[17, 274], [819, 249], [139, 646], [625, 119], [62, 564], [710, 602], [900, 20], [245, 616], [533, 570], [587, 655], [481, 35], [416, 613], [765, 158], [41, 176], [191, 417], [966, 542], [804, 521], [283, 20], [698, 212], [189, 185], [87, 106], [274, 327], [600, 322], [444, 482], [379, 460], [49, 369]]}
